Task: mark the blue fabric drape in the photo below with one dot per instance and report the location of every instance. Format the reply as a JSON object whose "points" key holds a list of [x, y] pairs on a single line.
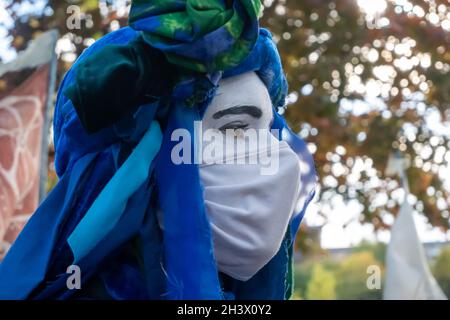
{"points": [[134, 260]]}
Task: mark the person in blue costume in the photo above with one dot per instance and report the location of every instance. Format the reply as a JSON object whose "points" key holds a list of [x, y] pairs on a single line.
{"points": [[138, 224]]}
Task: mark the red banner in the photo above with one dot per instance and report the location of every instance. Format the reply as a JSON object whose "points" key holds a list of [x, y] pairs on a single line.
{"points": [[23, 108]]}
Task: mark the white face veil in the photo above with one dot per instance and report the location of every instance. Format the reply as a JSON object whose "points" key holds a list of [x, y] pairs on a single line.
{"points": [[248, 205]]}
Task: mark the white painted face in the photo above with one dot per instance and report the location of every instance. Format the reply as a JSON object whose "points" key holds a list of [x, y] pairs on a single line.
{"points": [[241, 102]]}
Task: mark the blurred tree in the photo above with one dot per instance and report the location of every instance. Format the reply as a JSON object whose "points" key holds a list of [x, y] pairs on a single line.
{"points": [[377, 249], [352, 276], [79, 22], [441, 270], [351, 273], [366, 77], [322, 284], [304, 271]]}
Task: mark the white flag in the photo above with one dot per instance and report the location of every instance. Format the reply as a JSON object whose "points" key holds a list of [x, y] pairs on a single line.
{"points": [[408, 276]]}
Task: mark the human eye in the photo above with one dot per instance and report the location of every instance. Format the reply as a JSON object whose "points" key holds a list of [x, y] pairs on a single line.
{"points": [[234, 125]]}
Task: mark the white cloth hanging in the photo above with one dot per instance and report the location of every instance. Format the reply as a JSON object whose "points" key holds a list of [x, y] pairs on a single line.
{"points": [[408, 276]]}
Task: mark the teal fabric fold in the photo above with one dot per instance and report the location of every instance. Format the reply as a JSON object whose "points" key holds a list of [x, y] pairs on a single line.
{"points": [[107, 209]]}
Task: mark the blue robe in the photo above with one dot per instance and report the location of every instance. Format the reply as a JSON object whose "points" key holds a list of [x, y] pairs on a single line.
{"points": [[135, 259]]}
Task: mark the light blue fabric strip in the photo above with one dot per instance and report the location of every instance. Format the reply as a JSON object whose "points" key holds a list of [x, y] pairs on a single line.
{"points": [[107, 208]]}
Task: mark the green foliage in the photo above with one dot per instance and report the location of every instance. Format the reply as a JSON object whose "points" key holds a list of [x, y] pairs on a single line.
{"points": [[349, 275], [322, 284], [378, 249], [304, 273], [441, 270], [296, 296], [352, 277], [302, 276]]}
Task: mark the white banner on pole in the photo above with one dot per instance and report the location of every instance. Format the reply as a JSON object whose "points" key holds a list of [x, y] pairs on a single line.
{"points": [[408, 276]]}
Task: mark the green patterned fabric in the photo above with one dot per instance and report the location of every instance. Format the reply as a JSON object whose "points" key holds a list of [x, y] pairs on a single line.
{"points": [[203, 36]]}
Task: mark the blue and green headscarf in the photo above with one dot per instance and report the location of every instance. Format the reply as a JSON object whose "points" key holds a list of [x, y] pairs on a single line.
{"points": [[203, 36]]}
